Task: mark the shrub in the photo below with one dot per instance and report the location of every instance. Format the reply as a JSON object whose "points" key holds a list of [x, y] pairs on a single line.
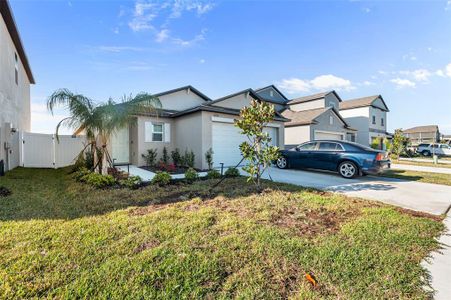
{"points": [[209, 158], [165, 157], [212, 174], [166, 167], [98, 180], [132, 182], [191, 175], [188, 158], [161, 178], [150, 157], [176, 157], [232, 172], [78, 175]]}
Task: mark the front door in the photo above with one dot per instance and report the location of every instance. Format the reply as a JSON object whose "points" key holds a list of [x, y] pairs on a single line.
{"points": [[120, 146]]}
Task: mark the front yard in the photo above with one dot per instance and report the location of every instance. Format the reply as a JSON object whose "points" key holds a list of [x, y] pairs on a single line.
{"points": [[427, 177], [63, 239]]}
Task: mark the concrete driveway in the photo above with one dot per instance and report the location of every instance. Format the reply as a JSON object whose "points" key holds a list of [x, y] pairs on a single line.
{"points": [[431, 198]]}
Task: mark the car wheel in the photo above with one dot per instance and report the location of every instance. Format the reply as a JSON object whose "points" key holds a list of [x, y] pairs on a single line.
{"points": [[426, 153], [348, 169], [282, 163]]}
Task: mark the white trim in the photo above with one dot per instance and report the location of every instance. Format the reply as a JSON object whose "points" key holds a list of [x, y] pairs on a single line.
{"points": [[222, 120]]}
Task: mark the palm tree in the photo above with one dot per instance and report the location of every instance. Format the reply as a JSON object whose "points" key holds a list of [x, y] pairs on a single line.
{"points": [[100, 121]]}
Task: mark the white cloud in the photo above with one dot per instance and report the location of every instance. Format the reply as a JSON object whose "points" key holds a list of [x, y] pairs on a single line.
{"points": [[418, 75], [366, 10], [156, 16], [403, 82], [368, 83], [448, 70], [295, 85], [202, 61], [409, 57], [189, 43], [448, 5], [331, 82], [117, 49], [162, 35], [322, 82], [440, 73]]}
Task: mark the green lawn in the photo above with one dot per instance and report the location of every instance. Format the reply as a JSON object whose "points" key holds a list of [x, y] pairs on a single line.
{"points": [[62, 239], [419, 163], [427, 177]]}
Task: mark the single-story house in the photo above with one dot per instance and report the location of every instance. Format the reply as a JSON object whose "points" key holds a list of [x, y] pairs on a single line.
{"points": [[315, 117], [423, 134], [189, 120], [369, 116]]}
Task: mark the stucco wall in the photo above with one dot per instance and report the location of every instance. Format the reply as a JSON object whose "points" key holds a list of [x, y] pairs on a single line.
{"points": [[138, 144], [189, 135], [358, 118], [181, 100], [266, 94], [297, 135], [332, 100], [308, 105], [14, 98], [324, 123]]}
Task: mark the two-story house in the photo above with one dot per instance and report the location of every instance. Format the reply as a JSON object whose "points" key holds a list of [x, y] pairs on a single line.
{"points": [[15, 80], [315, 117], [423, 134], [369, 116]]}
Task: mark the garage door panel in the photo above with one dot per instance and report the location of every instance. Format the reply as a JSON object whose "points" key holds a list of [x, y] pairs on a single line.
{"points": [[226, 140], [320, 135]]}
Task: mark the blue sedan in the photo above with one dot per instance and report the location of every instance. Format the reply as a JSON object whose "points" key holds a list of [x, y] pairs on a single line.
{"points": [[347, 158]]}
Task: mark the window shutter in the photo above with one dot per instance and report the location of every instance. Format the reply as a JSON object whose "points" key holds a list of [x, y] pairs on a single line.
{"points": [[167, 132], [148, 132]]}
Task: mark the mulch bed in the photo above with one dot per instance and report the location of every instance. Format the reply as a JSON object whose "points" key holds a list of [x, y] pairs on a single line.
{"points": [[4, 192], [178, 170]]}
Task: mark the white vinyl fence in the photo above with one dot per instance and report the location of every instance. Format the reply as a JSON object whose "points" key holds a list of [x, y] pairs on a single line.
{"points": [[45, 151]]}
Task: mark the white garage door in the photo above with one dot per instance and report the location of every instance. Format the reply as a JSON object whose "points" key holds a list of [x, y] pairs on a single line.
{"points": [[320, 135], [226, 140]]}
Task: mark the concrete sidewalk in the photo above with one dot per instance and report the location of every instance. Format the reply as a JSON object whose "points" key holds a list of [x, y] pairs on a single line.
{"points": [[439, 265], [421, 169], [426, 160]]}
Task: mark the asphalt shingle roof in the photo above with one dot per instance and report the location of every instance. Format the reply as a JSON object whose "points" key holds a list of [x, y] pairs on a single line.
{"points": [[304, 117], [426, 128]]}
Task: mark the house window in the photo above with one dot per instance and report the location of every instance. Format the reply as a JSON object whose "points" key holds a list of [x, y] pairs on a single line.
{"points": [[157, 132], [374, 120], [16, 69], [271, 93], [331, 120], [382, 122]]}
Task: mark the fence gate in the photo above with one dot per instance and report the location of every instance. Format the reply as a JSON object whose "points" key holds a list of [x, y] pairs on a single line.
{"points": [[44, 151]]}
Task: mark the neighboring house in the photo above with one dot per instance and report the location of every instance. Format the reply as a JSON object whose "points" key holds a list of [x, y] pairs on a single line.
{"points": [[446, 138], [315, 117], [369, 116], [191, 121], [423, 134], [15, 80]]}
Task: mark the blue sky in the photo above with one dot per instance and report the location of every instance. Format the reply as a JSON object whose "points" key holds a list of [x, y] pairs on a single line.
{"points": [[104, 49]]}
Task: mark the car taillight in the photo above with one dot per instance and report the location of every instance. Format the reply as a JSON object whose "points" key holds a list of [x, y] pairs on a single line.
{"points": [[380, 156]]}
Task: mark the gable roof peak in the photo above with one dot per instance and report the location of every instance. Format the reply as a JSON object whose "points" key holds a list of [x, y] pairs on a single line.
{"points": [[314, 97]]}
